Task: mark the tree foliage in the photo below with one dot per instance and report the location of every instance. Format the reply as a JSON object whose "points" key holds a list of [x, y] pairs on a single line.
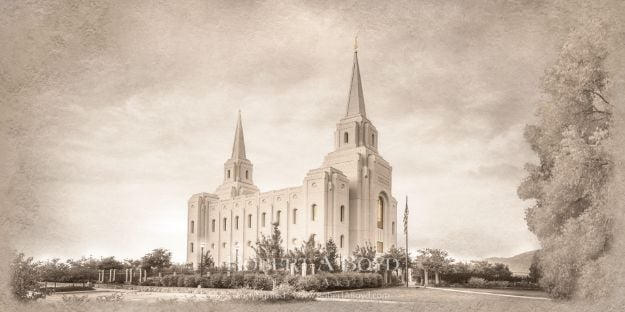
{"points": [[436, 260], [395, 258], [368, 252], [24, 277], [157, 260], [568, 185], [269, 249]]}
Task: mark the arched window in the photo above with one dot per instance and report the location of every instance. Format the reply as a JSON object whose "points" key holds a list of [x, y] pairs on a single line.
{"points": [[345, 137], [373, 139], [294, 216], [380, 213], [192, 226], [342, 217], [228, 173], [313, 212], [341, 241], [278, 215], [224, 244], [393, 227], [247, 175], [262, 219], [236, 222], [249, 221], [213, 225], [225, 223], [191, 247]]}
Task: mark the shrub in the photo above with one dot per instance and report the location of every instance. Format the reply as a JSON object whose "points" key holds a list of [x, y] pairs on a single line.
{"points": [[206, 282], [262, 282], [237, 280], [476, 282], [180, 281]]}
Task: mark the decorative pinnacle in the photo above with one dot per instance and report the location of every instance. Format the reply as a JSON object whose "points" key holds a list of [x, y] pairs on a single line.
{"points": [[356, 43]]}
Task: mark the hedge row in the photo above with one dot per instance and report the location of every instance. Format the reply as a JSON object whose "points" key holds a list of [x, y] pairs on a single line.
{"points": [[259, 281]]}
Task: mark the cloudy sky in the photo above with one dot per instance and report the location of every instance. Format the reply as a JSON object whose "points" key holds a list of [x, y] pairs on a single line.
{"points": [[118, 112]]}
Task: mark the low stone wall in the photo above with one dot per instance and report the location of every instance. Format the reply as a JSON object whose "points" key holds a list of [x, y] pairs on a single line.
{"points": [[188, 290]]}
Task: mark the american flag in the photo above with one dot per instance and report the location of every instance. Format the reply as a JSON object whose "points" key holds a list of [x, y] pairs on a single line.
{"points": [[406, 218]]}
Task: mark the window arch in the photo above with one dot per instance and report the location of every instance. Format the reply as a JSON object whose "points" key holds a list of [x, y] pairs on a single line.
{"points": [[313, 212], [346, 137], [278, 216], [249, 221], [225, 224], [191, 247], [393, 228], [213, 225], [228, 173], [192, 226], [342, 213], [295, 216], [262, 219], [341, 241], [373, 139], [247, 175], [380, 213], [236, 222]]}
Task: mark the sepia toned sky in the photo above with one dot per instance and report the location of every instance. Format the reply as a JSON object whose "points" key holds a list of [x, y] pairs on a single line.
{"points": [[117, 112]]}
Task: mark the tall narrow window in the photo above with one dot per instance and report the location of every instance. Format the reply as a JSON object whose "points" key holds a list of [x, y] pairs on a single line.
{"points": [[373, 139], [313, 212], [192, 226], [249, 221], [380, 213], [345, 137], [278, 215], [228, 173], [341, 241], [380, 247], [262, 219], [236, 223], [393, 228], [294, 216], [213, 225], [191, 247], [225, 223], [342, 217], [247, 175]]}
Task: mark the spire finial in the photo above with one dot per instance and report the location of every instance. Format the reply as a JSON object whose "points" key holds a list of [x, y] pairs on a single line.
{"points": [[356, 43]]}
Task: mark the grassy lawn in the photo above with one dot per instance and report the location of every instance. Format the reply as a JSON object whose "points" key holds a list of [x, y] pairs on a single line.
{"points": [[388, 299]]}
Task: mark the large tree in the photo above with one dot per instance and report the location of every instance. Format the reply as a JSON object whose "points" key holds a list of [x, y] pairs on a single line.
{"points": [[568, 185], [311, 252], [269, 249], [436, 260], [24, 277], [157, 260]]}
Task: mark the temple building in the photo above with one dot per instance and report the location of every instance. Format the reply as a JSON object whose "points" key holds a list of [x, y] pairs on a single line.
{"points": [[348, 199]]}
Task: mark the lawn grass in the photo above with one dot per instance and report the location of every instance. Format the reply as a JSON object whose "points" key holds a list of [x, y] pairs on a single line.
{"points": [[388, 299]]}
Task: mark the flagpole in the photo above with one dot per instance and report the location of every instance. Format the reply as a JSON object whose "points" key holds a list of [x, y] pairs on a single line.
{"points": [[406, 232]]}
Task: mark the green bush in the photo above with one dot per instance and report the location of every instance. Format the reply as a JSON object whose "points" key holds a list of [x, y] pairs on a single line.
{"points": [[262, 282], [476, 282]]}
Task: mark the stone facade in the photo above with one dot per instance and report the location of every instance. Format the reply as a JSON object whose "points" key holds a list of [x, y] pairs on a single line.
{"points": [[348, 199]]}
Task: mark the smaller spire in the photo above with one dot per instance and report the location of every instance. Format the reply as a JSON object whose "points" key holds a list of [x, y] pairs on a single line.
{"points": [[356, 44], [238, 148]]}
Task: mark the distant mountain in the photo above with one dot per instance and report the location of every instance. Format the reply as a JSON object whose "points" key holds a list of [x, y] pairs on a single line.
{"points": [[519, 264]]}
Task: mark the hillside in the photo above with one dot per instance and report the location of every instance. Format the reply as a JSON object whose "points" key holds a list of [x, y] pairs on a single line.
{"points": [[518, 264]]}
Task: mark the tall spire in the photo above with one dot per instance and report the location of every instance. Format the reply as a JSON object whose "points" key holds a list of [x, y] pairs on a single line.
{"points": [[238, 148], [356, 100]]}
